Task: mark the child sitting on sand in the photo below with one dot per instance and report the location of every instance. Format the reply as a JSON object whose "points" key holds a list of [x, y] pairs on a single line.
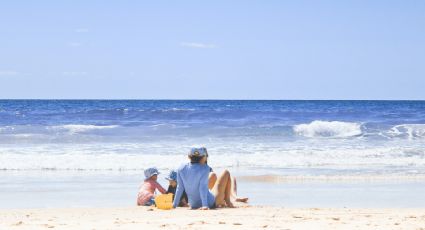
{"points": [[172, 178], [147, 190]]}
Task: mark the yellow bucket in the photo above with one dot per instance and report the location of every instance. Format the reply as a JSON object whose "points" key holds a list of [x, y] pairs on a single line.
{"points": [[164, 201]]}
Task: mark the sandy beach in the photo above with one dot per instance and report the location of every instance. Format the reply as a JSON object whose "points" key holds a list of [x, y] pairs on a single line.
{"points": [[250, 217]]}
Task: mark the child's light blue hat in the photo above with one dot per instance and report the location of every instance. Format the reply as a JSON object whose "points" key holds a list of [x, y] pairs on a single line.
{"points": [[150, 172], [172, 175]]}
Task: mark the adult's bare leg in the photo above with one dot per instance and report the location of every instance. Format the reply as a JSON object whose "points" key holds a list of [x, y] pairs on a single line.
{"points": [[212, 178], [234, 194], [222, 190]]}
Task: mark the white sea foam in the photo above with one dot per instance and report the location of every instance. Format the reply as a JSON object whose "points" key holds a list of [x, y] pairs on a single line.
{"points": [[74, 128], [334, 129], [136, 157], [6, 129], [410, 131]]}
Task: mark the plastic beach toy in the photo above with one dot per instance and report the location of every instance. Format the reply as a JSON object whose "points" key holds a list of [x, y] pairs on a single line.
{"points": [[164, 201]]}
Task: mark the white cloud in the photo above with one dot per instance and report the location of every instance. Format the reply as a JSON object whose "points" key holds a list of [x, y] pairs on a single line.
{"points": [[198, 45], [8, 73], [81, 30]]}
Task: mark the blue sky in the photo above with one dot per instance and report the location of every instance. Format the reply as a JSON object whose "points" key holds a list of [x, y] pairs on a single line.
{"points": [[212, 49]]}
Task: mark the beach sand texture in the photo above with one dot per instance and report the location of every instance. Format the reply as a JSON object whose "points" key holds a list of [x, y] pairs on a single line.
{"points": [[258, 217]]}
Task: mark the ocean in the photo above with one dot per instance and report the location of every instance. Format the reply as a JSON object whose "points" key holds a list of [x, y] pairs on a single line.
{"points": [[63, 145]]}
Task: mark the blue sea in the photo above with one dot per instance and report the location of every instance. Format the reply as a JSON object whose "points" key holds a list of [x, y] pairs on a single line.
{"points": [[54, 147]]}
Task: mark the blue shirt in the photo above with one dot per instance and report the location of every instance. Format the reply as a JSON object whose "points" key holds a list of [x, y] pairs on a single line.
{"points": [[193, 179]]}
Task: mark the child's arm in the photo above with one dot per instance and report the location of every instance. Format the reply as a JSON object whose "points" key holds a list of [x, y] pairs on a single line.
{"points": [[179, 191], [160, 188]]}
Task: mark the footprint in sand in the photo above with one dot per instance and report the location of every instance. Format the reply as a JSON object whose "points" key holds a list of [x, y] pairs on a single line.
{"points": [[200, 222]]}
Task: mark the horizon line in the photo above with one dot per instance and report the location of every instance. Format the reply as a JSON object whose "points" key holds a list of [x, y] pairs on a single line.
{"points": [[207, 99]]}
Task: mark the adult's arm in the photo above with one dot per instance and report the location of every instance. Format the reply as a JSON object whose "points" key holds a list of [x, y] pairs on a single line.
{"points": [[179, 190]]}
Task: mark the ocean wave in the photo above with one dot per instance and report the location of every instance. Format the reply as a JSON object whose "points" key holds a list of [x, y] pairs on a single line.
{"points": [[174, 109], [333, 129], [179, 109]]}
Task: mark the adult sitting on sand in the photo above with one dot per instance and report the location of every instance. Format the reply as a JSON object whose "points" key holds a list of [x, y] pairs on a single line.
{"points": [[193, 179], [212, 178]]}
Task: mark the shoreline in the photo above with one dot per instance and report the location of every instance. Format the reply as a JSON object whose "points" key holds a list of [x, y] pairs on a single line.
{"points": [[245, 217], [273, 178], [81, 190]]}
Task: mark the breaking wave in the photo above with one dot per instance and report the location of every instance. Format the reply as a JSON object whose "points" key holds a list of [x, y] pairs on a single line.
{"points": [[333, 129]]}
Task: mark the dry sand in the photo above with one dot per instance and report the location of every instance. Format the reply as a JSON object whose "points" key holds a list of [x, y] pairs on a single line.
{"points": [[257, 217]]}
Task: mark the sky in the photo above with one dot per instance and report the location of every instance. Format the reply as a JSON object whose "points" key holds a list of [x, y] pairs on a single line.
{"points": [[217, 49]]}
